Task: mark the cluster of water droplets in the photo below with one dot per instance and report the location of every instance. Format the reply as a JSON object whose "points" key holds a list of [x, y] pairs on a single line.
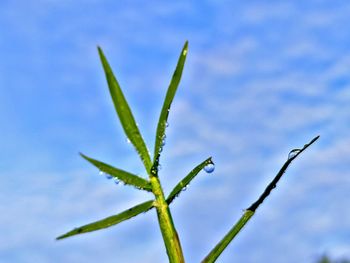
{"points": [[157, 166], [109, 177], [163, 139], [162, 143]]}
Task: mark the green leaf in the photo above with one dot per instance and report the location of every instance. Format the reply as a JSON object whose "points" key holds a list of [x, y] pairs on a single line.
{"points": [[162, 122], [110, 221], [121, 175], [185, 181], [125, 115], [220, 247]]}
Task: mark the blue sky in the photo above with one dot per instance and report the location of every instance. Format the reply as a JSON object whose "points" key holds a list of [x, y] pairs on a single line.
{"points": [[261, 78]]}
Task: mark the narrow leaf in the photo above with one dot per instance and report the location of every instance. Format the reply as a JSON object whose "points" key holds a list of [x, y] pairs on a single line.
{"points": [[249, 212], [162, 122], [110, 221], [186, 180], [124, 112], [121, 175]]}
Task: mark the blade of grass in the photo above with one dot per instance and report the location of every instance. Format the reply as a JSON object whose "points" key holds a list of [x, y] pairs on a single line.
{"points": [[125, 115], [220, 247], [121, 175], [162, 122], [110, 221], [186, 180]]}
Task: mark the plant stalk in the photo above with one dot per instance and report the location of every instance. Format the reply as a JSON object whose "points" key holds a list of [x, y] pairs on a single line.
{"points": [[220, 247], [167, 228]]}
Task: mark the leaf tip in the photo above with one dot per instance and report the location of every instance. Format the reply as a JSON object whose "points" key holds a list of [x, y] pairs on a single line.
{"points": [[186, 44], [100, 53], [314, 139], [60, 237], [185, 49], [83, 155]]}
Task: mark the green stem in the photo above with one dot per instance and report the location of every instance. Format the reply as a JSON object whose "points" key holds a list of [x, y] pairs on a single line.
{"points": [[220, 247], [170, 237]]}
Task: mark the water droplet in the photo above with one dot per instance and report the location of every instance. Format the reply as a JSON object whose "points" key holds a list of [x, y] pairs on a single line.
{"points": [[108, 176], [116, 181], [159, 167], [154, 170], [163, 141], [167, 124], [128, 140], [209, 168], [184, 189], [293, 153]]}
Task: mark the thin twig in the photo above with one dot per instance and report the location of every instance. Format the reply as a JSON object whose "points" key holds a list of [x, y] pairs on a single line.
{"points": [[274, 182], [249, 212]]}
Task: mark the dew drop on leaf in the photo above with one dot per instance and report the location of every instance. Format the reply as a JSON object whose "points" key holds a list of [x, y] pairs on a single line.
{"points": [[209, 168], [293, 153], [128, 140], [108, 176], [163, 141], [116, 181]]}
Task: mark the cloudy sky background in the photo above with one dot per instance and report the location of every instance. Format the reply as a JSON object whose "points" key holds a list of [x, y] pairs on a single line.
{"points": [[261, 78]]}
